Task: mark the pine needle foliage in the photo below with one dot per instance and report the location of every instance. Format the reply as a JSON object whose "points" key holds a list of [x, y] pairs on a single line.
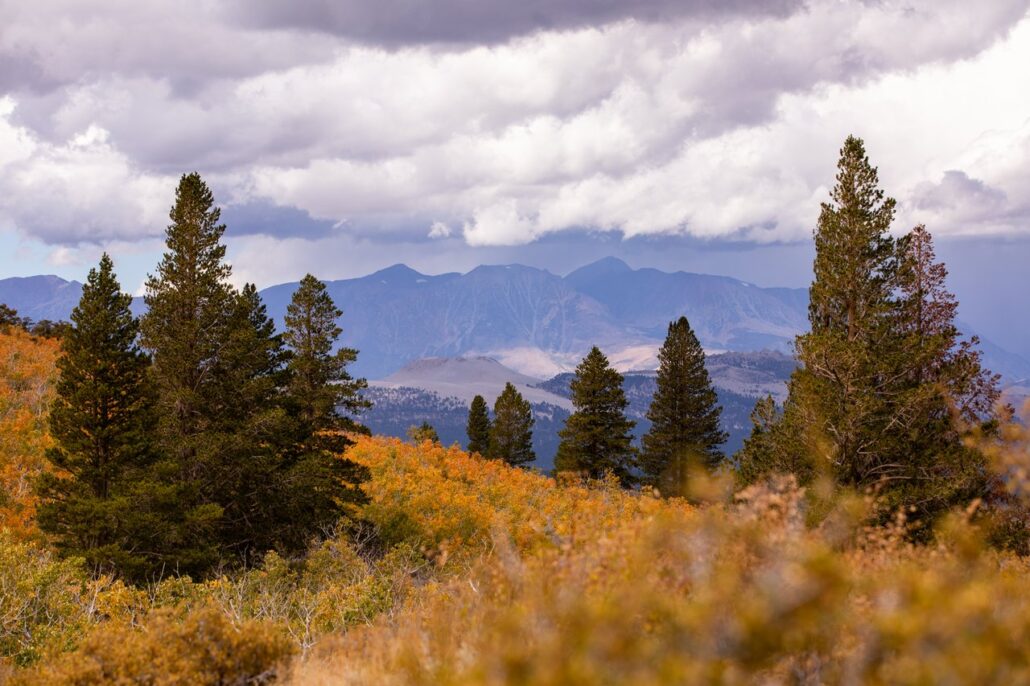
{"points": [[884, 372], [684, 414], [478, 426], [102, 422], [323, 399], [596, 439], [511, 435]]}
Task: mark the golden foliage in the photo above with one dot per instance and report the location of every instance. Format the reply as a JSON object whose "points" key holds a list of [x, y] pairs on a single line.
{"points": [[739, 595], [27, 371], [198, 648], [485, 574], [452, 502]]}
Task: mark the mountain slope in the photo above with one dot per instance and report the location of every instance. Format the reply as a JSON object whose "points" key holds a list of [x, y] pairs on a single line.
{"points": [[724, 312], [528, 319], [439, 390], [466, 377], [397, 315], [41, 297]]}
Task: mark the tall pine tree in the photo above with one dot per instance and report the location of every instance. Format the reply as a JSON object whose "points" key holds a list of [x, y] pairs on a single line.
{"points": [[323, 398], [511, 435], [597, 439], [684, 414], [325, 394], [938, 376], [192, 311], [478, 427], [841, 388], [252, 430], [102, 422], [882, 366]]}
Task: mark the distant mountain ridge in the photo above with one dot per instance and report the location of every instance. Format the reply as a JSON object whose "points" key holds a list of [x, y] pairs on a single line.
{"points": [[41, 297], [535, 322]]}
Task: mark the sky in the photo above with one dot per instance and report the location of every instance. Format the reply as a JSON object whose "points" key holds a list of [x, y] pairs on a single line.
{"points": [[342, 136]]}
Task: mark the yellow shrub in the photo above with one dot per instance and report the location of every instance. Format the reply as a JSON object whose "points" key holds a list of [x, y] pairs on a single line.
{"points": [[456, 502], [28, 368], [196, 649]]}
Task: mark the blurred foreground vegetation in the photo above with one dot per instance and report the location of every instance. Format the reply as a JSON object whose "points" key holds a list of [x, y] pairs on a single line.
{"points": [[465, 570]]}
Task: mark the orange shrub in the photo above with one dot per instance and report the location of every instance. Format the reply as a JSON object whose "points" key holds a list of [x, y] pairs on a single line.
{"points": [[27, 373], [448, 499], [199, 648], [745, 594]]}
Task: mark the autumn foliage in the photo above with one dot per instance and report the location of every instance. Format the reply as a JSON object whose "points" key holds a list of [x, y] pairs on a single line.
{"points": [[473, 572], [452, 501], [463, 570], [27, 368]]}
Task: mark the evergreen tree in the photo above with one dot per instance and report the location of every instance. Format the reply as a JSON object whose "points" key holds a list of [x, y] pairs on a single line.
{"points": [[190, 311], [882, 366], [937, 375], [511, 436], [597, 438], [320, 385], [684, 414], [841, 390], [934, 354], [102, 422], [478, 427], [323, 398], [253, 431], [770, 448], [9, 317]]}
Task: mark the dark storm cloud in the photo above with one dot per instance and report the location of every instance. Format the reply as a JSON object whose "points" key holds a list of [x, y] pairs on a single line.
{"points": [[402, 22]]}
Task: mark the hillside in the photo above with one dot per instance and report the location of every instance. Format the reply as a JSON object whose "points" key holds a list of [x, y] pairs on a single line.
{"points": [[564, 583]]}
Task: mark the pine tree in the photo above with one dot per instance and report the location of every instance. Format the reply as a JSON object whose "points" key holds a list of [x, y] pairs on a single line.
{"points": [[190, 307], [9, 317], [936, 374], [840, 393], [252, 430], [882, 365], [323, 398], [102, 422], [934, 353], [597, 438], [684, 414], [478, 427], [773, 448], [320, 385], [511, 436]]}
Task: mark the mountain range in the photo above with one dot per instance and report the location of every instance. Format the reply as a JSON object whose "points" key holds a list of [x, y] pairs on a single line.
{"points": [[530, 320]]}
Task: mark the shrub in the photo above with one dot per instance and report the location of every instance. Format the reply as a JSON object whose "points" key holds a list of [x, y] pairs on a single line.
{"points": [[198, 648]]}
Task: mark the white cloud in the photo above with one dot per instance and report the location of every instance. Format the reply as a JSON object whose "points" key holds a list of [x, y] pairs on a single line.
{"points": [[82, 189], [439, 230], [723, 128]]}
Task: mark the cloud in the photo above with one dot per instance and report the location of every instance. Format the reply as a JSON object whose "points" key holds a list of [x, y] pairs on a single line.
{"points": [[512, 121], [439, 230], [961, 205], [82, 189], [400, 22]]}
